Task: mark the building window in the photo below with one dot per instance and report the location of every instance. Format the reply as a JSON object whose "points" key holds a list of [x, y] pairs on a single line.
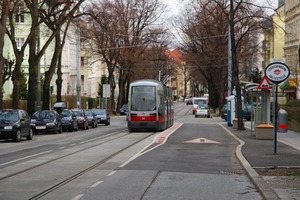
{"points": [[20, 42], [19, 16]]}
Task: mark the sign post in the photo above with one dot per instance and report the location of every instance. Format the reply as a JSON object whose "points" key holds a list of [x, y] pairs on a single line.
{"points": [[276, 72], [106, 93]]}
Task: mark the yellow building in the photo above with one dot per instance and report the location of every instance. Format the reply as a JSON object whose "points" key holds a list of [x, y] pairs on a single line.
{"points": [[292, 37], [274, 37]]}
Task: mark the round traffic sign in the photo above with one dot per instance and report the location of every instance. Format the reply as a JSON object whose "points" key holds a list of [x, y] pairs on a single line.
{"points": [[277, 72]]}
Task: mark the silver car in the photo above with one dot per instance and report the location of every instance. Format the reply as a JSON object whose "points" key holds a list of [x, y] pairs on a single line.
{"points": [[102, 116], [202, 111]]}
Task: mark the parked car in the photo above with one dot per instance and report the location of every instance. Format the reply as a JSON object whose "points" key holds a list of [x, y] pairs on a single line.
{"points": [[202, 111], [46, 121], [59, 106], [124, 109], [247, 110], [82, 119], [15, 124], [69, 120], [102, 116], [92, 119]]}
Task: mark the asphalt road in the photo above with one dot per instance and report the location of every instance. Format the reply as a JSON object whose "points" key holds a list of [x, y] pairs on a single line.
{"points": [[195, 159]]}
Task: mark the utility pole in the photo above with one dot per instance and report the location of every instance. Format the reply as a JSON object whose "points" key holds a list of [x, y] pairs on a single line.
{"points": [[38, 91], [229, 71], [78, 87]]}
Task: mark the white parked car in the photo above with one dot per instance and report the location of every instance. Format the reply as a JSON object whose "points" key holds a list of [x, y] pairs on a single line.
{"points": [[202, 111]]}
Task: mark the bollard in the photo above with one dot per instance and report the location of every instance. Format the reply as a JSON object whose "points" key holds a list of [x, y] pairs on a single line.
{"points": [[282, 126]]}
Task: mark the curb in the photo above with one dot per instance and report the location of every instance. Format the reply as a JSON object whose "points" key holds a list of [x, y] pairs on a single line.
{"points": [[255, 178]]}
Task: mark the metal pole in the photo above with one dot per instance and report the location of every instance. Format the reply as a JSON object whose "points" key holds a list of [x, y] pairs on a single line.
{"points": [[229, 74], [38, 95], [78, 68], [275, 120], [159, 74]]}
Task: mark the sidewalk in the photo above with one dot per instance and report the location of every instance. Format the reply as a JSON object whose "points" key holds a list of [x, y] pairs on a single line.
{"points": [[266, 169]]}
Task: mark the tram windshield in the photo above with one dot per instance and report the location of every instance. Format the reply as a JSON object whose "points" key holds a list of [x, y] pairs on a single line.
{"points": [[143, 98]]}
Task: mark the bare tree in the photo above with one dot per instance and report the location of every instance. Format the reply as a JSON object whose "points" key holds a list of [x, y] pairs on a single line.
{"points": [[57, 18], [37, 12], [122, 32], [208, 31], [5, 6], [205, 47]]}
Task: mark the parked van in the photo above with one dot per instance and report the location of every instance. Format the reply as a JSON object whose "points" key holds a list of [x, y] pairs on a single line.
{"points": [[199, 101]]}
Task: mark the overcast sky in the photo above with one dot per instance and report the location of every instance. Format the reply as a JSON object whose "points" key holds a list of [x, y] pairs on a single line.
{"points": [[174, 6]]}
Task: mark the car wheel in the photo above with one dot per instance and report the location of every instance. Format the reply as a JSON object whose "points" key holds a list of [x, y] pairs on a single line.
{"points": [[107, 122], [17, 136], [76, 126], [84, 127], [72, 127], [55, 130], [196, 116], [30, 135], [60, 129]]}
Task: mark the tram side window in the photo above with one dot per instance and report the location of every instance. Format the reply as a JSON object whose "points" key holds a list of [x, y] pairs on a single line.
{"points": [[143, 98]]}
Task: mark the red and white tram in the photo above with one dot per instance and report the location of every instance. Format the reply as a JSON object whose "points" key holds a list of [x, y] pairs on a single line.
{"points": [[150, 106]]}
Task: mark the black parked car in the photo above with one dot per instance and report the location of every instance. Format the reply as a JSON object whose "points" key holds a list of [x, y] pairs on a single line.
{"points": [[124, 109], [102, 116], [15, 124], [46, 121], [92, 119], [69, 120], [247, 110]]}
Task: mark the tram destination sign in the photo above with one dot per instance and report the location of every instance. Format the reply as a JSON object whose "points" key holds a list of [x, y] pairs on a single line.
{"points": [[277, 72]]}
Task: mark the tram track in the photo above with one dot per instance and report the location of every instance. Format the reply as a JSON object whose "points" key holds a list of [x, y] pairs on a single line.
{"points": [[181, 108], [86, 170], [69, 154]]}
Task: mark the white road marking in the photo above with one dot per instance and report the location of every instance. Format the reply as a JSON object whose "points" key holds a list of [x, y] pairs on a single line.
{"points": [[78, 197], [96, 184], [155, 140], [23, 158], [111, 173]]}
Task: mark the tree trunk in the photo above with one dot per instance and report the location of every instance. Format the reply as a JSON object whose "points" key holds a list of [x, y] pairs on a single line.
{"points": [[16, 82], [59, 80], [3, 19], [49, 74]]}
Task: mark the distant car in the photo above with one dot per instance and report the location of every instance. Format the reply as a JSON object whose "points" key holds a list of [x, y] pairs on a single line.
{"points": [[124, 109], [198, 101], [15, 124], [202, 111], [82, 119], [224, 112], [247, 110], [46, 121], [59, 106], [92, 119], [102, 116], [69, 120], [189, 102]]}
